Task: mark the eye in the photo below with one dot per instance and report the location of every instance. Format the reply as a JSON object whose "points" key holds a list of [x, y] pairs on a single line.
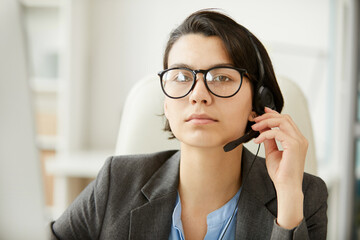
{"points": [[178, 76], [221, 78], [183, 77]]}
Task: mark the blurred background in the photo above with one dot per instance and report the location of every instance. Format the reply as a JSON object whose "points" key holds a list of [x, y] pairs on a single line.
{"points": [[83, 56]]}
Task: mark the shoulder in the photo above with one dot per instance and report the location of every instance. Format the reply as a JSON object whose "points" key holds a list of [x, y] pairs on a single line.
{"points": [[123, 178], [315, 193], [314, 188], [126, 167], [152, 160], [260, 184], [108, 200], [315, 185]]}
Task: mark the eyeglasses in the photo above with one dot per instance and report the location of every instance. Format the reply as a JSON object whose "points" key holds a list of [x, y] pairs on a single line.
{"points": [[221, 81]]}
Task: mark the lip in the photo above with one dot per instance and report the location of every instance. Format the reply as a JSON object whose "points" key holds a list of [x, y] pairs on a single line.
{"points": [[200, 119]]}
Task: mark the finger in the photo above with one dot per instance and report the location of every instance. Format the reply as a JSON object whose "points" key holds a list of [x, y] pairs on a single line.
{"points": [[266, 116], [271, 123], [269, 110], [269, 113], [281, 123], [275, 115], [270, 145], [287, 142], [273, 134]]}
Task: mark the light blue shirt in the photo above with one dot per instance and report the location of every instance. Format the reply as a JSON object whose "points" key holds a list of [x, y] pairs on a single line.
{"points": [[217, 221]]}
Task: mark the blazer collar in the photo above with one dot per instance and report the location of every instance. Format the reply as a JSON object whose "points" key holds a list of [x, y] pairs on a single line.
{"points": [[153, 219], [165, 180], [256, 180]]}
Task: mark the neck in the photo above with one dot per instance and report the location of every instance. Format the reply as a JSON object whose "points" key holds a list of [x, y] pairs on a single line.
{"points": [[210, 174]]}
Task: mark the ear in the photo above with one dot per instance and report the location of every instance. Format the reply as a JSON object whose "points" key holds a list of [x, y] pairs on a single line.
{"points": [[252, 115]]}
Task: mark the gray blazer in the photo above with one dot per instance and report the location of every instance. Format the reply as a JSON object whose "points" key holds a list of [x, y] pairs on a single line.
{"points": [[133, 197]]}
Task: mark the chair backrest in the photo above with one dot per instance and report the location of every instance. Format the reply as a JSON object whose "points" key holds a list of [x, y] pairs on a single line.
{"points": [[142, 123]]}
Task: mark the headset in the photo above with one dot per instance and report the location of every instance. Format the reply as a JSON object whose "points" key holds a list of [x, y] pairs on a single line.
{"points": [[263, 97]]}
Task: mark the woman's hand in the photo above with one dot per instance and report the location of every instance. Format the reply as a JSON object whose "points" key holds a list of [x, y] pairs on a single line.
{"points": [[285, 168]]}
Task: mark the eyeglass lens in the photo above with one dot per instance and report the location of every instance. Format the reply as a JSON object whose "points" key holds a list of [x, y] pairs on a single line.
{"points": [[223, 82]]}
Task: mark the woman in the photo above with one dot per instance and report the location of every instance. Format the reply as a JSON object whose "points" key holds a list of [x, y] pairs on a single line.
{"points": [[219, 85]]}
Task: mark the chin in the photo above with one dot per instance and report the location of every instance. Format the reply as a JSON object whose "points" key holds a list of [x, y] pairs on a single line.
{"points": [[202, 140], [205, 137]]}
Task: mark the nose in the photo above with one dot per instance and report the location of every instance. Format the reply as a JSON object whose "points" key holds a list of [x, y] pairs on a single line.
{"points": [[200, 93]]}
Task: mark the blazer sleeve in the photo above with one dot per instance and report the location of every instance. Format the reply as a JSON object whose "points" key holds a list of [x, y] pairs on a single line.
{"points": [[314, 224], [84, 217]]}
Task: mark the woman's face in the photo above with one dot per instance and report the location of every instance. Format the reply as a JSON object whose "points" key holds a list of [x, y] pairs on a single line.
{"points": [[201, 119]]}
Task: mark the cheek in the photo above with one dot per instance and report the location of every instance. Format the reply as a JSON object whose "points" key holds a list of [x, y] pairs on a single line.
{"points": [[239, 115], [170, 110]]}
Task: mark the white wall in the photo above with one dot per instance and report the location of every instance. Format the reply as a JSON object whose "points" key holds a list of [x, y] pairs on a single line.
{"points": [[127, 40], [21, 194]]}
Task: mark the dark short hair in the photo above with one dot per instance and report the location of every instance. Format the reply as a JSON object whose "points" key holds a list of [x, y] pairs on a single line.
{"points": [[210, 22]]}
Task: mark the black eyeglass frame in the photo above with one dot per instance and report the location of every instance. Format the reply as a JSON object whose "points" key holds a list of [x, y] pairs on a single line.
{"points": [[241, 71]]}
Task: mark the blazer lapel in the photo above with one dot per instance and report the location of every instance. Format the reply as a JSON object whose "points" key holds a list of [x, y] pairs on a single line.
{"points": [[254, 219], [153, 219]]}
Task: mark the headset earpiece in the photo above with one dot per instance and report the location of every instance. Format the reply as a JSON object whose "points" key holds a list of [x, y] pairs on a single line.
{"points": [[263, 98]]}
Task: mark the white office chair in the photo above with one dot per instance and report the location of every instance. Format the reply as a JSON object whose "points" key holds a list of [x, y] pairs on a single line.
{"points": [[142, 123]]}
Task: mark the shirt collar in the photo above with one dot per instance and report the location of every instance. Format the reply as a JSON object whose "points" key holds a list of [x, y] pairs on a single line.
{"points": [[216, 220], [221, 216]]}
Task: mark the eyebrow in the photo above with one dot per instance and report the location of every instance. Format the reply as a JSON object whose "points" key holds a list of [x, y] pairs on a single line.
{"points": [[183, 65]]}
